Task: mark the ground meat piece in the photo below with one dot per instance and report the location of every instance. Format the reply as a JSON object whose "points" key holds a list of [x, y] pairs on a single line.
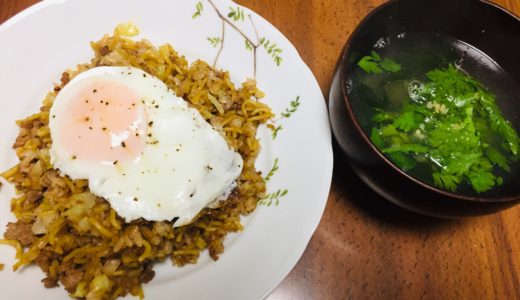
{"points": [[235, 195], [147, 275], [20, 231], [44, 260], [65, 78], [104, 50], [53, 185], [71, 278], [32, 199], [215, 248], [49, 282], [36, 124], [236, 105], [126, 283]]}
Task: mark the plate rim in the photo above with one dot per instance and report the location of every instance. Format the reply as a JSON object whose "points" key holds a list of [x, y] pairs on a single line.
{"points": [[327, 158]]}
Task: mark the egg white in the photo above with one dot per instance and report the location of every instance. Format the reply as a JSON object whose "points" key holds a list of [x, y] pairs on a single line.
{"points": [[185, 166]]}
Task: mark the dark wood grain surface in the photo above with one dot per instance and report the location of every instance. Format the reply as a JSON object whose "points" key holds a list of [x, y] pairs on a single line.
{"points": [[364, 247]]}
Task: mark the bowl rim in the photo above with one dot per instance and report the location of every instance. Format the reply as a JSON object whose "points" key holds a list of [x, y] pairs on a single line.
{"points": [[344, 94]]}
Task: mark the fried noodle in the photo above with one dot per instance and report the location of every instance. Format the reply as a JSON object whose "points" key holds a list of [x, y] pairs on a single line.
{"points": [[75, 237]]}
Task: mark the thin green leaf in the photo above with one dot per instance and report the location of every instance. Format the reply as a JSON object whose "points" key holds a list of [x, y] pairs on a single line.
{"points": [[369, 65], [407, 148], [390, 66], [373, 64], [446, 181]]}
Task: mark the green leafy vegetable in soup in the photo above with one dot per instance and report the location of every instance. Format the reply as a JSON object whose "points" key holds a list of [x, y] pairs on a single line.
{"points": [[374, 64], [449, 125]]}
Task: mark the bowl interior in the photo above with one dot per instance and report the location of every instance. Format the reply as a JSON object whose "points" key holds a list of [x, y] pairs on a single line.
{"points": [[489, 35]]}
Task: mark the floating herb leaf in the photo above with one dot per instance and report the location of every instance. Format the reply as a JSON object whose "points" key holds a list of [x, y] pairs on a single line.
{"points": [[375, 65], [456, 129], [370, 63], [390, 66], [198, 10]]}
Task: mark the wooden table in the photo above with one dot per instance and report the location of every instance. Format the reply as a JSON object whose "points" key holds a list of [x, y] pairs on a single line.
{"points": [[364, 246]]}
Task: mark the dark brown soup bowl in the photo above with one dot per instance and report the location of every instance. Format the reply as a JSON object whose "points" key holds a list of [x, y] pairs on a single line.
{"points": [[486, 27]]}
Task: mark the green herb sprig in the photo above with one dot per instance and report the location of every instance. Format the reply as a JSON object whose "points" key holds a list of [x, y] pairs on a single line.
{"points": [[374, 64], [454, 125]]}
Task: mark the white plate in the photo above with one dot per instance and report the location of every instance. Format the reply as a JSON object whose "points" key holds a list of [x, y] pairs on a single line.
{"points": [[42, 41]]}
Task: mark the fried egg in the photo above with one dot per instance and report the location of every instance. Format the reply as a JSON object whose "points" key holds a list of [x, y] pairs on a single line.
{"points": [[141, 147]]}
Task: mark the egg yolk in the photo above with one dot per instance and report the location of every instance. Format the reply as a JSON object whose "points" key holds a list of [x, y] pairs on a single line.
{"points": [[105, 122]]}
